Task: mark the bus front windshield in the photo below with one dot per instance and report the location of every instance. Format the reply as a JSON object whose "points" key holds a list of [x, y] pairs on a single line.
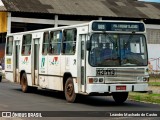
{"points": [[118, 50]]}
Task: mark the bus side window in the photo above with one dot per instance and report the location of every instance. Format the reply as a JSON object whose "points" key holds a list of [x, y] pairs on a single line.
{"points": [[55, 42], [9, 45], [29, 50], [45, 43], [26, 45], [69, 41]]}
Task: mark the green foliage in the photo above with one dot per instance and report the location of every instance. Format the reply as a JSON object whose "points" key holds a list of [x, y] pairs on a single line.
{"points": [[152, 98], [154, 83]]}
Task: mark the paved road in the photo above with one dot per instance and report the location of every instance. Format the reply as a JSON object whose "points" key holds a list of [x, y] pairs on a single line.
{"points": [[12, 99]]}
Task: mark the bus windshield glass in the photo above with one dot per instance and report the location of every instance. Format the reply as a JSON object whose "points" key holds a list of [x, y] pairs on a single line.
{"points": [[118, 50]]}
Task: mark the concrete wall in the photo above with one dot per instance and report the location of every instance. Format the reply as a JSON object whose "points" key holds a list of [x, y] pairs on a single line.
{"points": [[153, 39]]}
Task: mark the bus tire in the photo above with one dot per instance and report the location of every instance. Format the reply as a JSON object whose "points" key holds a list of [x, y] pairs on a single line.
{"points": [[120, 97], [24, 83], [0, 78], [70, 94]]}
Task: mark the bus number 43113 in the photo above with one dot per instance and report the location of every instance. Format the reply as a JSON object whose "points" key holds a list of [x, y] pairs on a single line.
{"points": [[108, 72]]}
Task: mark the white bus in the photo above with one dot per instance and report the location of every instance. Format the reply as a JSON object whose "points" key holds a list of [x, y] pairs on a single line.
{"points": [[95, 58]]}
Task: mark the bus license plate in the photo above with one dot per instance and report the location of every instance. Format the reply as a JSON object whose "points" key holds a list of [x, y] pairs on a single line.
{"points": [[120, 87]]}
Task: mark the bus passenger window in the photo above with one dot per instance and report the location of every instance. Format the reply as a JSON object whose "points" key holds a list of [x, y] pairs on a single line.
{"points": [[69, 41], [9, 45], [29, 51], [55, 42], [26, 45], [45, 43]]}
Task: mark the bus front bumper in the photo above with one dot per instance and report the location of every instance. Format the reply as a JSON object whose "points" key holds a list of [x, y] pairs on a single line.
{"points": [[103, 88]]}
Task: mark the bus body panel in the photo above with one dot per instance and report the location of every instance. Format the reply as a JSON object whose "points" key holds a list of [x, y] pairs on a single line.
{"points": [[55, 83], [9, 76]]}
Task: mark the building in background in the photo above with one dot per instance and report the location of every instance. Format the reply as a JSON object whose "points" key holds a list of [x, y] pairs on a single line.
{"points": [[3, 31], [24, 15]]}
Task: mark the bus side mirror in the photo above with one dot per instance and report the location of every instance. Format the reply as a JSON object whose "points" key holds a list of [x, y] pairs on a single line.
{"points": [[88, 45]]}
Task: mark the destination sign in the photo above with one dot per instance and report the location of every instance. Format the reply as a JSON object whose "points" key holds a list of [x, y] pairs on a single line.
{"points": [[118, 26]]}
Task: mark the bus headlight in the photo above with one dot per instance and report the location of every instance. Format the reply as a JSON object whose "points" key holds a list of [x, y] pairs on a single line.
{"points": [[95, 80], [146, 79], [142, 79], [101, 80]]}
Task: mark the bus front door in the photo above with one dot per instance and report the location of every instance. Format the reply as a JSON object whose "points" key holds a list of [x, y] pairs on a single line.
{"points": [[16, 61], [35, 62], [82, 84]]}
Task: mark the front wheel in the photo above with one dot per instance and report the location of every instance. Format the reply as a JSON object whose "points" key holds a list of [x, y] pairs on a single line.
{"points": [[120, 97], [24, 83], [69, 90]]}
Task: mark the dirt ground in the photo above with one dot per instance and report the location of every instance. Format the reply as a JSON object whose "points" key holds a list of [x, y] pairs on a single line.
{"points": [[154, 89]]}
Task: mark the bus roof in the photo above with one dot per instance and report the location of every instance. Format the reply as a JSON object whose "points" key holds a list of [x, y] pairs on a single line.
{"points": [[77, 25]]}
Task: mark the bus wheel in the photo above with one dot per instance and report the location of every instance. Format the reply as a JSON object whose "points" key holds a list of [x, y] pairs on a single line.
{"points": [[120, 97], [69, 90], [24, 84]]}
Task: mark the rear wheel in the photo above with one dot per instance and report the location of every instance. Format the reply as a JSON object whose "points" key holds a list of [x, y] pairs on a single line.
{"points": [[120, 97], [24, 83], [69, 90]]}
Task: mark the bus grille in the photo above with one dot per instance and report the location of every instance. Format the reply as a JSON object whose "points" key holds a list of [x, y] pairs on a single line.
{"points": [[126, 76]]}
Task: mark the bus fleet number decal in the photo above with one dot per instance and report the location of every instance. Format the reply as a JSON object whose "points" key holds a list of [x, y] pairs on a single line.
{"points": [[107, 72]]}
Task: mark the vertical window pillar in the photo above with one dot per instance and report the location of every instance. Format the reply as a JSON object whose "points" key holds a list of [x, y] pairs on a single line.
{"points": [[100, 18], [56, 21]]}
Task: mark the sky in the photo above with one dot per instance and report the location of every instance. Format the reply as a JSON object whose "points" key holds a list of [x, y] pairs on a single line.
{"points": [[151, 0]]}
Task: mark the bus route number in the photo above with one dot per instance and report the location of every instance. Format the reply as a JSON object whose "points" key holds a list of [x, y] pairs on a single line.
{"points": [[106, 72]]}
